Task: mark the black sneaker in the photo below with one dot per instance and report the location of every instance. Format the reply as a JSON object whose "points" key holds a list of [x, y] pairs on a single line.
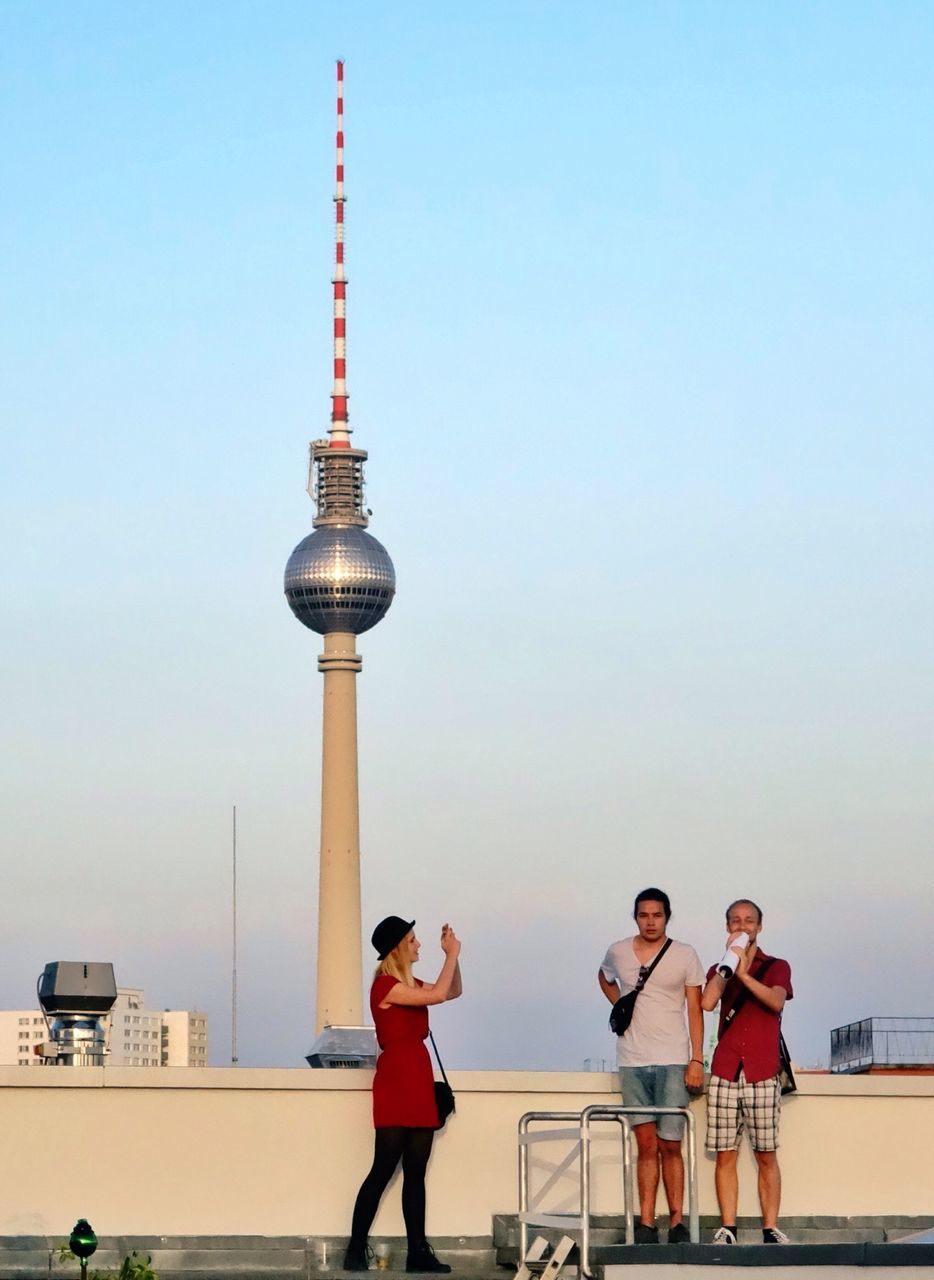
{"points": [[772, 1235], [646, 1235], [357, 1257], [725, 1235], [422, 1258], [679, 1234]]}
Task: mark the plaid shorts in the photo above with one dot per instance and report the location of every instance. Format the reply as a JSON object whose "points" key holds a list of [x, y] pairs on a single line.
{"points": [[732, 1105]]}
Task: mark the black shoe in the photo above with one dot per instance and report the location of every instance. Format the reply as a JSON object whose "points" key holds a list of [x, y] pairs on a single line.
{"points": [[646, 1235], [422, 1258], [357, 1257], [772, 1235], [679, 1234]]}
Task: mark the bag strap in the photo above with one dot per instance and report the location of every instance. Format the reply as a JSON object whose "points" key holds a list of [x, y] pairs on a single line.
{"points": [[438, 1056], [741, 1000], [648, 973]]}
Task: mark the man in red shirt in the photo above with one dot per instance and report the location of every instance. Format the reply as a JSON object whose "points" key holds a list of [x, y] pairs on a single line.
{"points": [[744, 1088]]}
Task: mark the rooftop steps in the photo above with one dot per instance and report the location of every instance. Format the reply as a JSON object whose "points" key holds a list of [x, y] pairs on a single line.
{"points": [[609, 1230], [857, 1247]]}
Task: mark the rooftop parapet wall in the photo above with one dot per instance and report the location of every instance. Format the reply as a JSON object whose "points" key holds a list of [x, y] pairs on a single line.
{"points": [[232, 1152]]}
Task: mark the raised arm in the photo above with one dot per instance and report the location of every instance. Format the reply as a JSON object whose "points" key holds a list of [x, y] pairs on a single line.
{"points": [[713, 990], [772, 997], [457, 986], [441, 989]]}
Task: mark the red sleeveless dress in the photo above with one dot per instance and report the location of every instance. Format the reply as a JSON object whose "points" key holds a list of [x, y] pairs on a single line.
{"points": [[404, 1086]]}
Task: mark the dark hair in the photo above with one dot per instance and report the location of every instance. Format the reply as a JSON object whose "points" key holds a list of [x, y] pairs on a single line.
{"points": [[652, 895], [749, 902]]}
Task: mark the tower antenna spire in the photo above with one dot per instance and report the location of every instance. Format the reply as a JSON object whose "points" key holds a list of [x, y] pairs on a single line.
{"points": [[339, 429]]}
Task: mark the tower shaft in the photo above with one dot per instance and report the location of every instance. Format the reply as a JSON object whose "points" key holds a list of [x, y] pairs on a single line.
{"points": [[340, 977]]}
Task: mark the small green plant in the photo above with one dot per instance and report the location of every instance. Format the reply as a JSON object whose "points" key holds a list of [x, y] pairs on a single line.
{"points": [[134, 1266]]}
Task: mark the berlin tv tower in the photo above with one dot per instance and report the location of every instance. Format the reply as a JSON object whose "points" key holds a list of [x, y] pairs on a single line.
{"points": [[339, 581]]}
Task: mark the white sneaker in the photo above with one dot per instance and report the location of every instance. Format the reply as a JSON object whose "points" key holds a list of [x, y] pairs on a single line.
{"points": [[772, 1235], [724, 1236]]}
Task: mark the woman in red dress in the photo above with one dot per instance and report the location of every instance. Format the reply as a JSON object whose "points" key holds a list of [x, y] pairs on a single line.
{"points": [[404, 1112]]}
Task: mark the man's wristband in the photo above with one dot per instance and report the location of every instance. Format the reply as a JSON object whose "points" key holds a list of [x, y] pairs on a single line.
{"points": [[700, 1060]]}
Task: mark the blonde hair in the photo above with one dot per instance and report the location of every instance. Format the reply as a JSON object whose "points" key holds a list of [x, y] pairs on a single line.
{"points": [[396, 965]]}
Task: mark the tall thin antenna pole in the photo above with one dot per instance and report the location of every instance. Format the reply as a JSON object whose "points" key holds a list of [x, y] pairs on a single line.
{"points": [[233, 974], [339, 429]]}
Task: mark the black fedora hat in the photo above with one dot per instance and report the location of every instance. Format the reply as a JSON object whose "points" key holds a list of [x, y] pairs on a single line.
{"points": [[389, 933]]}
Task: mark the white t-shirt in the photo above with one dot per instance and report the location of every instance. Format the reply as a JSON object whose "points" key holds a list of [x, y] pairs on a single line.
{"points": [[658, 1034]]}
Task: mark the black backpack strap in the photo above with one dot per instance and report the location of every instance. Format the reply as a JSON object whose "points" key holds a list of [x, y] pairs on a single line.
{"points": [[648, 973], [744, 996], [438, 1056]]}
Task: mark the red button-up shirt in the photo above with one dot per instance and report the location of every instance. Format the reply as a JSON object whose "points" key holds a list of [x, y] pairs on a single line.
{"points": [[751, 1040]]}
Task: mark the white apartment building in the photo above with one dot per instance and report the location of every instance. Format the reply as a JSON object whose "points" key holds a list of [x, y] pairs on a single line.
{"points": [[134, 1032], [21, 1031], [184, 1038], [137, 1036]]}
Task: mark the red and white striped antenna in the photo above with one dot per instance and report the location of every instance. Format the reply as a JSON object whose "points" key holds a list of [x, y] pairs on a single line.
{"points": [[339, 429]]}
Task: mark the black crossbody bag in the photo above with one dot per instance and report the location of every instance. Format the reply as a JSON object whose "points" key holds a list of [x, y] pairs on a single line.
{"points": [[444, 1094], [786, 1077], [623, 1009]]}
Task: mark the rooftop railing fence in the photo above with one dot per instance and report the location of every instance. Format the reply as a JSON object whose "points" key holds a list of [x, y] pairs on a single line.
{"points": [[882, 1042]]}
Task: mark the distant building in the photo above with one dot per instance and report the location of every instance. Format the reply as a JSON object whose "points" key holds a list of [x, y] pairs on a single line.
{"points": [[134, 1032], [883, 1045], [184, 1038], [137, 1036], [21, 1030]]}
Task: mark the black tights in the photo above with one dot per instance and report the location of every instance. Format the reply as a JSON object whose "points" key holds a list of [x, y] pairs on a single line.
{"points": [[412, 1147]]}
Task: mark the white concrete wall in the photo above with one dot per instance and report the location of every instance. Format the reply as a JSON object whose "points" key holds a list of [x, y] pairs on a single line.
{"points": [[187, 1151]]}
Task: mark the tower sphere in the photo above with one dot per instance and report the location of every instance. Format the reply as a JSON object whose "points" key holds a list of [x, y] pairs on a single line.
{"points": [[340, 578]]}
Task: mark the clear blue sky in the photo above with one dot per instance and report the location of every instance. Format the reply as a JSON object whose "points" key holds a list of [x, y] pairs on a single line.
{"points": [[640, 335]]}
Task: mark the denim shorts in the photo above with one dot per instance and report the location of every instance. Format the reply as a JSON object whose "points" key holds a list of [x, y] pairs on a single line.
{"points": [[656, 1087]]}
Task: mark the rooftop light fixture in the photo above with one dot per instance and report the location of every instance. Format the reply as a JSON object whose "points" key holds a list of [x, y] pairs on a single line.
{"points": [[82, 1242]]}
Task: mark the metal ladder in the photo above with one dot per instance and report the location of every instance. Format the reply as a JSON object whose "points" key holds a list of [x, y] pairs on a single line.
{"points": [[536, 1254], [579, 1223]]}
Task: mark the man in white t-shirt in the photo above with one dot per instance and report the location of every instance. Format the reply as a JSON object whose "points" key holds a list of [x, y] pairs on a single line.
{"points": [[659, 1055]]}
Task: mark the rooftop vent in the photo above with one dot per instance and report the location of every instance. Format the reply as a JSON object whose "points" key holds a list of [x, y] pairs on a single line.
{"points": [[344, 1047]]}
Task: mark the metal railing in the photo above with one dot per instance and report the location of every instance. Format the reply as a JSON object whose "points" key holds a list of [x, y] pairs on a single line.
{"points": [[882, 1042], [530, 1216]]}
